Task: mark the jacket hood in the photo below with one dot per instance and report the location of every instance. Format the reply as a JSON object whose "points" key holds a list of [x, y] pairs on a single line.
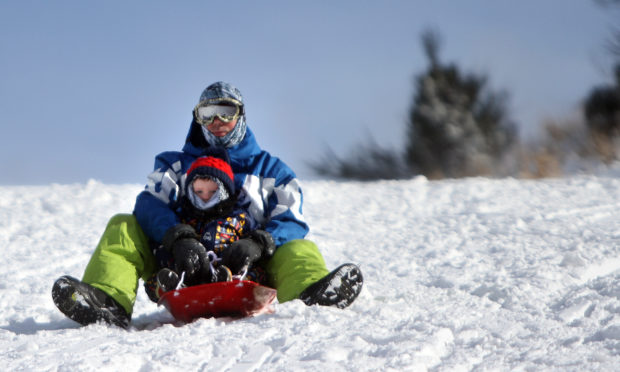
{"points": [[223, 91]]}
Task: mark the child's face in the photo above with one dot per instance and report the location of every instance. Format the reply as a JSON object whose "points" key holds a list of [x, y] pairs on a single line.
{"points": [[204, 188]]}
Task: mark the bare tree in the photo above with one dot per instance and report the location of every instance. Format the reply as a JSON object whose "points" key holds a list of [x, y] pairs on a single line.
{"points": [[613, 43]]}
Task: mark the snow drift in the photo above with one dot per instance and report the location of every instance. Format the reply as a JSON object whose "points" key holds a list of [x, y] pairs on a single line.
{"points": [[460, 275]]}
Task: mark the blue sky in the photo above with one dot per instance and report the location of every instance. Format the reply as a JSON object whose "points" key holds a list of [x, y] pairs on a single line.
{"points": [[96, 89]]}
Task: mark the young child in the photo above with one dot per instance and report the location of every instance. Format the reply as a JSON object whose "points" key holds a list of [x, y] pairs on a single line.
{"points": [[211, 217]]}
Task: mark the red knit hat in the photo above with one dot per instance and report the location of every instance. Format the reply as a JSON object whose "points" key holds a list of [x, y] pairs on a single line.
{"points": [[213, 167]]}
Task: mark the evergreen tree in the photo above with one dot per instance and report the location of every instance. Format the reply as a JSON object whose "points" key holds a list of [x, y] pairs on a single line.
{"points": [[456, 126], [602, 109], [602, 105]]}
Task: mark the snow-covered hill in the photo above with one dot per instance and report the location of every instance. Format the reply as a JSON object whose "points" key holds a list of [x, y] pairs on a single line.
{"points": [[473, 274]]}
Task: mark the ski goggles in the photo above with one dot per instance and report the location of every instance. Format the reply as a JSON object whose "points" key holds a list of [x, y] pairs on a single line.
{"points": [[225, 109]]}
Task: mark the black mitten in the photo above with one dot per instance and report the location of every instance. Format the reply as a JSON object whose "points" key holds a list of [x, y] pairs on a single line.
{"points": [[246, 251], [265, 239], [190, 256], [177, 232]]}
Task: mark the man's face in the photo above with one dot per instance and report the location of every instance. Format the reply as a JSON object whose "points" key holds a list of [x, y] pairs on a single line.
{"points": [[220, 128]]}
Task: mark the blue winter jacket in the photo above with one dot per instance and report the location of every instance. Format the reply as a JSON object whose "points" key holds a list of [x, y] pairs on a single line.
{"points": [[269, 186]]}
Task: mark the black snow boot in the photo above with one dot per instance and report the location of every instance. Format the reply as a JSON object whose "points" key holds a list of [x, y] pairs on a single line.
{"points": [[339, 288], [163, 281], [167, 280], [86, 304]]}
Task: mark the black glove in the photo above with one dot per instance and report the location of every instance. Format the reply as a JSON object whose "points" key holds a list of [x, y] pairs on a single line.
{"points": [[265, 239], [190, 256], [246, 251]]}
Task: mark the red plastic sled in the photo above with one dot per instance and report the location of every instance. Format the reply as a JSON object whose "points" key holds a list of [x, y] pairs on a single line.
{"points": [[239, 298]]}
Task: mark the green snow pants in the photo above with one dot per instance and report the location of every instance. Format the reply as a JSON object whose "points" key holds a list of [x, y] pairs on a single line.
{"points": [[123, 256]]}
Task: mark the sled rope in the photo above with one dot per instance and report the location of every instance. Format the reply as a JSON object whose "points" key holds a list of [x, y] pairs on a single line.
{"points": [[245, 272], [212, 258], [180, 283]]}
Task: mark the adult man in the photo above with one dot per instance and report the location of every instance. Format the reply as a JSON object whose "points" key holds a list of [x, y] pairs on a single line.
{"points": [[107, 291]]}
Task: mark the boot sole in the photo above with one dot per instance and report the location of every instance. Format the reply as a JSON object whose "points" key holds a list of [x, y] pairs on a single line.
{"points": [[339, 289], [73, 299]]}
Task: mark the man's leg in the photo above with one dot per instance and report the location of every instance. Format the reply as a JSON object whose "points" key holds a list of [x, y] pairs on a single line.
{"points": [[294, 267], [297, 270], [120, 259]]}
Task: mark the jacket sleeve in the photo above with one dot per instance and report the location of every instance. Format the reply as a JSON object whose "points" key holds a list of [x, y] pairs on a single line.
{"points": [[284, 208], [275, 200], [155, 206]]}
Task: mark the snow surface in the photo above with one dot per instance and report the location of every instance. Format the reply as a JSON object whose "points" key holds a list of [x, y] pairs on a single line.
{"points": [[474, 274]]}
